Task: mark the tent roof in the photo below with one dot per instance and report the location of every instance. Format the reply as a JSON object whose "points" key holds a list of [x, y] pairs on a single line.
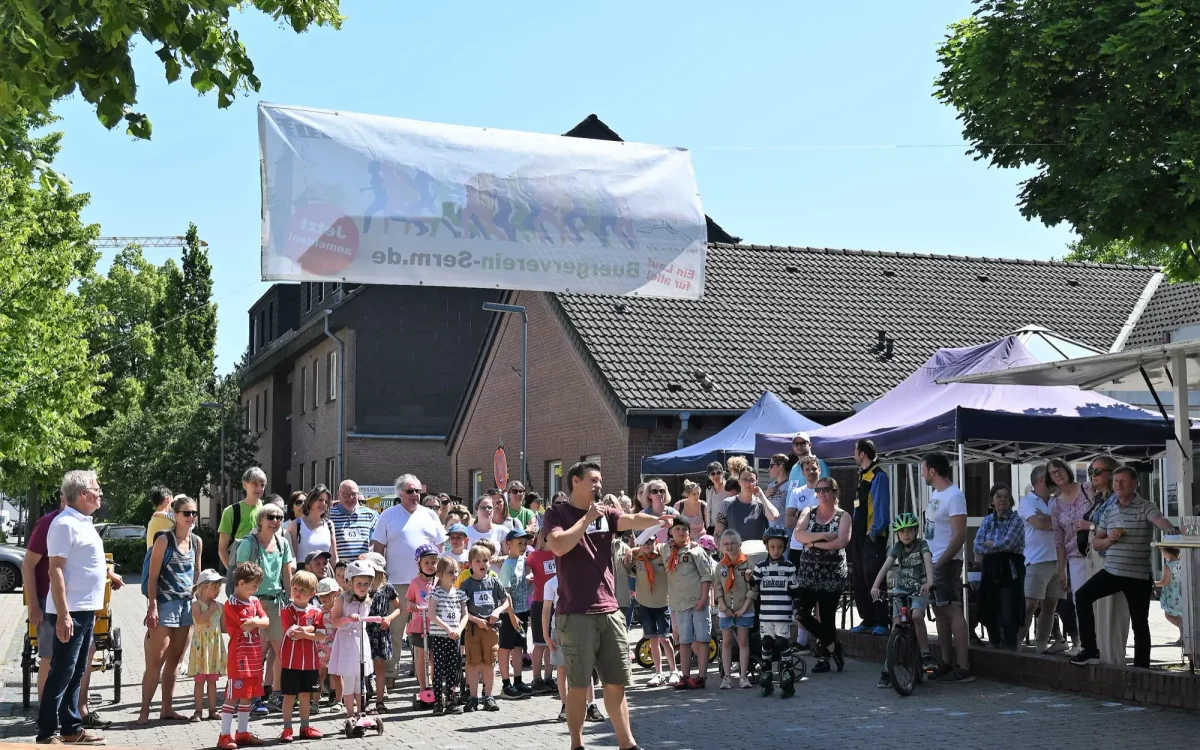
{"points": [[768, 414], [998, 422]]}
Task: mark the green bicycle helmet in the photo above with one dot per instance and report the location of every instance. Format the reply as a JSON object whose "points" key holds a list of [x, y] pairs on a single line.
{"points": [[775, 532], [905, 521]]}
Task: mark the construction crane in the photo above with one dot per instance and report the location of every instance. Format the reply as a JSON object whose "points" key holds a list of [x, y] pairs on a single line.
{"points": [[121, 242]]}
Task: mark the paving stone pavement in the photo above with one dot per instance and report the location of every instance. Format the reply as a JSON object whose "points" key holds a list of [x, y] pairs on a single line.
{"points": [[830, 710]]}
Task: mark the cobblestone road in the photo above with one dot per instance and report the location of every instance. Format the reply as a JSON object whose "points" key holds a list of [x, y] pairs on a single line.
{"points": [[833, 710]]}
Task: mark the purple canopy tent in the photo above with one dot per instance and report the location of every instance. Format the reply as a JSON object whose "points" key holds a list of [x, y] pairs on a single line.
{"points": [[1011, 423]]}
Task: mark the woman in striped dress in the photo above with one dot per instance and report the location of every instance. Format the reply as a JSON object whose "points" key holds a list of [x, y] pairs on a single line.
{"points": [[173, 561]]}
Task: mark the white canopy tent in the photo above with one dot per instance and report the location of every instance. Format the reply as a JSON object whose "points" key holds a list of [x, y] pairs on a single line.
{"points": [[1172, 367]]}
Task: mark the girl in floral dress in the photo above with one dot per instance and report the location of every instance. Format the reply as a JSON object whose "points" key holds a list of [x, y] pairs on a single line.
{"points": [[1171, 596], [206, 661]]}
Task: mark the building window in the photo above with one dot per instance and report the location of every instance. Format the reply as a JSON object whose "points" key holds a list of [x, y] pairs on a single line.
{"points": [[300, 479], [554, 473], [316, 381], [256, 413], [313, 471], [330, 464], [318, 291], [246, 416], [305, 299], [254, 336], [303, 387], [476, 487], [265, 421], [271, 321], [332, 376]]}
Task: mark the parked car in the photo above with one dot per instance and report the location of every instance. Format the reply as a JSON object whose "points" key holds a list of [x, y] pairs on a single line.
{"points": [[109, 531], [11, 558]]}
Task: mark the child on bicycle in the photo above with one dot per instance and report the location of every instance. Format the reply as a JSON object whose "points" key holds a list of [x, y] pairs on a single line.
{"points": [[914, 577]]}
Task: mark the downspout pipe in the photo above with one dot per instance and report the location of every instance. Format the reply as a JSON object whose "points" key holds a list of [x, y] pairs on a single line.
{"points": [[341, 394]]}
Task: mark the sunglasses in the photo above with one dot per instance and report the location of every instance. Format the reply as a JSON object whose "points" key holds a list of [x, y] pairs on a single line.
{"points": [[825, 490], [658, 492], [799, 442], [1097, 472], [189, 513], [297, 502], [446, 502], [272, 517], [715, 474], [411, 492]]}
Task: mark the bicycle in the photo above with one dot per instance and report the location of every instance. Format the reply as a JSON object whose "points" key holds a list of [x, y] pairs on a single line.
{"points": [[904, 663]]}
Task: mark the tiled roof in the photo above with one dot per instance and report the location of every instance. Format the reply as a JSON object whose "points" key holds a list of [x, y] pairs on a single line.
{"points": [[803, 322], [1171, 307]]}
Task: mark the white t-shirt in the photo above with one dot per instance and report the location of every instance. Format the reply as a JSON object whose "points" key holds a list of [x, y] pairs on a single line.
{"points": [[942, 505], [73, 536], [801, 498], [401, 533], [497, 534], [1039, 543], [550, 597]]}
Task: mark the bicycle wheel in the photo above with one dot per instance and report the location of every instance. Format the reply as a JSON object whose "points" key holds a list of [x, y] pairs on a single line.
{"points": [[900, 663]]}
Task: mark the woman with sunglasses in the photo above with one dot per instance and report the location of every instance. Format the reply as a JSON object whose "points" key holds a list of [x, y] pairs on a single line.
{"points": [[312, 531], [714, 491], [173, 568], [825, 533], [271, 551], [1112, 612], [294, 507], [748, 512], [658, 504]]}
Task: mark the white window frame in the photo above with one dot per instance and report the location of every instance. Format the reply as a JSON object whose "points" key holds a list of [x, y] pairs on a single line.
{"points": [[476, 486], [332, 375], [303, 387], [316, 382], [554, 475], [330, 467]]}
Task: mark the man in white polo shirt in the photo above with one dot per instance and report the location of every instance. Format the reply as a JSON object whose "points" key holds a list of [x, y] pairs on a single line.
{"points": [[400, 530], [77, 573], [1042, 587]]}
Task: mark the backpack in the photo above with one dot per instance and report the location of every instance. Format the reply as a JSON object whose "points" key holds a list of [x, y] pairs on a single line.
{"points": [[233, 540], [194, 539], [255, 556]]}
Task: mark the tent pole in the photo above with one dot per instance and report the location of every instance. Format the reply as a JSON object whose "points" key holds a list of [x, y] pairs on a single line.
{"points": [[962, 482]]}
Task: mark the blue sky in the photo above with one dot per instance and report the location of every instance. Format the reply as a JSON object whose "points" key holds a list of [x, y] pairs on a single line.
{"points": [[711, 76]]}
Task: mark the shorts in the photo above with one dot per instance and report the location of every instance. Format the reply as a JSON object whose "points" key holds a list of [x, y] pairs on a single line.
{"points": [[274, 632], [416, 640], [299, 681], [482, 645], [775, 630], [745, 621], [694, 626], [535, 622], [510, 637], [915, 602], [1041, 581], [244, 688], [176, 613], [947, 584], [594, 642], [656, 621]]}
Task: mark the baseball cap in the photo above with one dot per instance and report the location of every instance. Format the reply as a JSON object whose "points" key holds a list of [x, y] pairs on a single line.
{"points": [[327, 586], [314, 555], [456, 528], [208, 575], [802, 435], [517, 534]]}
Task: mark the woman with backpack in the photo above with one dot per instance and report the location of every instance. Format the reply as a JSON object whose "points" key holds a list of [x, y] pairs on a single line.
{"points": [[169, 571], [269, 548], [312, 531]]}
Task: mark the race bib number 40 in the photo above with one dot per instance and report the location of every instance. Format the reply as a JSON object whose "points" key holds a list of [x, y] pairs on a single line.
{"points": [[483, 599]]}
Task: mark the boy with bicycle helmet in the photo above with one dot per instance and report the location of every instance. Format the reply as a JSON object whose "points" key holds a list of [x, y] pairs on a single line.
{"points": [[914, 577], [776, 587]]}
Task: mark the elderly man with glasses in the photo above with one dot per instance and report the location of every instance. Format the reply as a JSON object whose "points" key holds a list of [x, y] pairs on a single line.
{"points": [[353, 522]]}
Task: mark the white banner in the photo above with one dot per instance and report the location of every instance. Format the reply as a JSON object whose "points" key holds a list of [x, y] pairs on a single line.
{"points": [[381, 200]]}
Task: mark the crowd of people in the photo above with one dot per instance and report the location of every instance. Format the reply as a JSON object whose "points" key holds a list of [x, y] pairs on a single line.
{"points": [[322, 593]]}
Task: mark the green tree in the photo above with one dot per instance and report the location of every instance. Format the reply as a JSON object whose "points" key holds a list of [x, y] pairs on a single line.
{"points": [[1099, 96], [50, 49], [47, 378]]}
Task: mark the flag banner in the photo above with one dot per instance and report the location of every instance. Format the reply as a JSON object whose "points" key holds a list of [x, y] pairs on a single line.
{"points": [[383, 200]]}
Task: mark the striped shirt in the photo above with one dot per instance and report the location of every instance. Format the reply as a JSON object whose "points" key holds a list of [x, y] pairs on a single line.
{"points": [[353, 529], [175, 575], [777, 584], [301, 653], [449, 606], [1129, 556]]}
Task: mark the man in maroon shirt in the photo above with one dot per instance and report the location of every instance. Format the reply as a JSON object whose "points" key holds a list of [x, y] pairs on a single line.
{"points": [[36, 568], [590, 625]]}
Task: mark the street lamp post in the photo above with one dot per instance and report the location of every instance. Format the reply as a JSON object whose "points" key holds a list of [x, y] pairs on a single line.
{"points": [[519, 310], [220, 405]]}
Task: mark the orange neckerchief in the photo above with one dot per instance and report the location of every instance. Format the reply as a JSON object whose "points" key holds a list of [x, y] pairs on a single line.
{"points": [[731, 564], [673, 558], [647, 558]]}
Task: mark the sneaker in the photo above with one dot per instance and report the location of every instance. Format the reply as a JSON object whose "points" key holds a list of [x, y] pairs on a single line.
{"points": [[93, 720], [673, 678], [311, 733], [259, 707], [942, 671], [1072, 652], [553, 685], [839, 656], [453, 708], [562, 713], [879, 630], [821, 666], [512, 693], [439, 709], [286, 736], [489, 704], [83, 737], [684, 683], [247, 739], [275, 703], [593, 713], [743, 683], [656, 680], [544, 687], [1085, 656], [860, 628], [885, 680], [521, 686], [225, 742], [928, 663], [698, 683], [1055, 648], [956, 675], [472, 705], [726, 683]]}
